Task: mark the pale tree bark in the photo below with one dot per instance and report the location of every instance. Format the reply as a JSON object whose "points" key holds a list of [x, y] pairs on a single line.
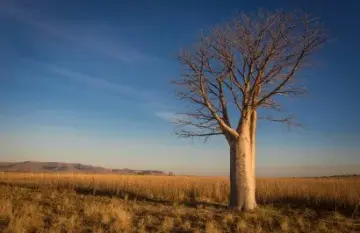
{"points": [[242, 177]]}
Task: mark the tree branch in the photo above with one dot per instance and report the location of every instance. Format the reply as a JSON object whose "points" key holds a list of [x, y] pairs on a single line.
{"points": [[289, 120], [247, 62]]}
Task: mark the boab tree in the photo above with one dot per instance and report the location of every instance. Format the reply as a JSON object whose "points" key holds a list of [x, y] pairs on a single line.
{"points": [[232, 72]]}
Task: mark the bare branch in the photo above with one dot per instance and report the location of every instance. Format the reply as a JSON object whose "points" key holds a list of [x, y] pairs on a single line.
{"points": [[289, 120], [247, 62], [190, 134]]}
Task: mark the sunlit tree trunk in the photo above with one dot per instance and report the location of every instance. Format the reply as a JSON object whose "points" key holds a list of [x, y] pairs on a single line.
{"points": [[242, 179]]}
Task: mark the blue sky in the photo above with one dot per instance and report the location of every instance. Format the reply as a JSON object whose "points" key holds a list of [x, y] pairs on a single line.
{"points": [[88, 81]]}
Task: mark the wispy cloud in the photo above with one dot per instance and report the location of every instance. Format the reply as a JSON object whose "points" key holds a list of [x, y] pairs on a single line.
{"points": [[168, 116], [80, 33], [172, 117], [152, 101], [100, 82]]}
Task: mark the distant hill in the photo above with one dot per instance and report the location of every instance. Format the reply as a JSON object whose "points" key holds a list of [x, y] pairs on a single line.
{"points": [[32, 166]]}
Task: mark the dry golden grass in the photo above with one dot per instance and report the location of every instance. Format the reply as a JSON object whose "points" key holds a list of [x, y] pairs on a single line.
{"points": [[34, 202], [332, 193]]}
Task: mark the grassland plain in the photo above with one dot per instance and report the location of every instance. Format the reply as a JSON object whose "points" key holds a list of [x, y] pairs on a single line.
{"points": [[64, 202]]}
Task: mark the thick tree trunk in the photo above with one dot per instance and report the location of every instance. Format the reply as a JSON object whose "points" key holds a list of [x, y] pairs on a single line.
{"points": [[242, 179]]}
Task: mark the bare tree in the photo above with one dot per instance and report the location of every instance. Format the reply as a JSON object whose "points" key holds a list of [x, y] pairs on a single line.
{"points": [[233, 71]]}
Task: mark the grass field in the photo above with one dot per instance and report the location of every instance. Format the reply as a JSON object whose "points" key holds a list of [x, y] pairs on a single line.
{"points": [[34, 202]]}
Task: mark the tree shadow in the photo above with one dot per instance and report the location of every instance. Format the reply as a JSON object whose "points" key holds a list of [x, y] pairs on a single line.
{"points": [[131, 196]]}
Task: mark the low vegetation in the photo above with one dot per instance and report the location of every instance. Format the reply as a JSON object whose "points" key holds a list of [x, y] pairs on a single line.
{"points": [[49, 202]]}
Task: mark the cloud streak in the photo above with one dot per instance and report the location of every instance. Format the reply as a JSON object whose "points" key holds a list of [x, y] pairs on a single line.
{"points": [[169, 116], [100, 82], [78, 33]]}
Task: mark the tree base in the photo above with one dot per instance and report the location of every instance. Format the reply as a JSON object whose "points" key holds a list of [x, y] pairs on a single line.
{"points": [[242, 208]]}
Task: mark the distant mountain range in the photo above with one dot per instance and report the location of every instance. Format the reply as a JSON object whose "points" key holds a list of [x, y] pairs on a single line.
{"points": [[32, 166]]}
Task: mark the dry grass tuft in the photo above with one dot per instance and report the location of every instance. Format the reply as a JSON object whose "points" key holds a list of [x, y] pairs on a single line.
{"points": [[212, 228]]}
